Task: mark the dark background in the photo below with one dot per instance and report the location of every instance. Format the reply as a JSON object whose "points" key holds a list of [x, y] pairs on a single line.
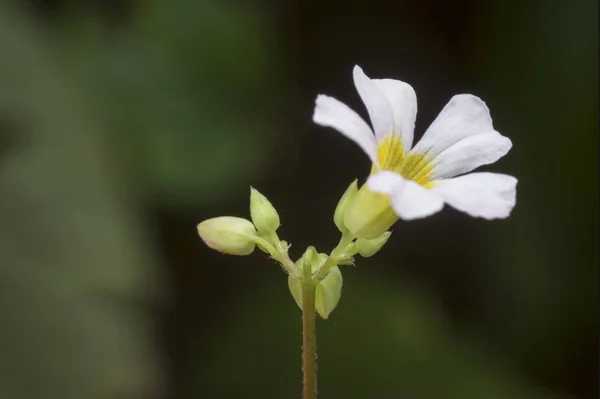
{"points": [[123, 124]]}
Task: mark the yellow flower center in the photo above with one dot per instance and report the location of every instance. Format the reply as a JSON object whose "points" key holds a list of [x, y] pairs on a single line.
{"points": [[370, 214], [392, 157]]}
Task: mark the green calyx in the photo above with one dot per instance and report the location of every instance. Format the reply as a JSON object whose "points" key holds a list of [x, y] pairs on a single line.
{"points": [[369, 214], [340, 210], [367, 248]]}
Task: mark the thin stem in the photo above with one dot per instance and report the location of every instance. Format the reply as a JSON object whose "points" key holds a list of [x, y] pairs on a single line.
{"points": [[281, 257], [333, 258], [309, 338]]}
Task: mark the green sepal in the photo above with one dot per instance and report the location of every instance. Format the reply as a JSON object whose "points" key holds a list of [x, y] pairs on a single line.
{"points": [[367, 248], [328, 290], [340, 210]]}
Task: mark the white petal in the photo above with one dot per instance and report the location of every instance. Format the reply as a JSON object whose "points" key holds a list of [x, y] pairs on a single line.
{"points": [[409, 199], [403, 99], [470, 153], [386, 182], [333, 113], [377, 104], [464, 115], [484, 195], [416, 202]]}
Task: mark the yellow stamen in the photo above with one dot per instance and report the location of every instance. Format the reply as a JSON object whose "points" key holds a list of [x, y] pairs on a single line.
{"points": [[370, 214], [415, 167], [390, 154]]}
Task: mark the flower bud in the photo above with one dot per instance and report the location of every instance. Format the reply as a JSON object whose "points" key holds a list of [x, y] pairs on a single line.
{"points": [[340, 210], [367, 248], [310, 257], [228, 234], [369, 214], [328, 290], [264, 216]]}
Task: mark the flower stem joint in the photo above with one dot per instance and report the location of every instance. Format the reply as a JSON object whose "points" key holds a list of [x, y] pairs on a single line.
{"points": [[328, 289]]}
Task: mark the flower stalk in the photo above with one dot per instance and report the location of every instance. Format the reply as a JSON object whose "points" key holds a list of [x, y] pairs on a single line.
{"points": [[341, 254], [309, 337]]}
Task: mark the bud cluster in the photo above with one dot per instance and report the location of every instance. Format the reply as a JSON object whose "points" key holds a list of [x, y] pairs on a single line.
{"points": [[239, 236], [329, 289]]}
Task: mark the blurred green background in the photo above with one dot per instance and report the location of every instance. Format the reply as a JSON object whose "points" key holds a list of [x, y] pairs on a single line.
{"points": [[125, 123]]}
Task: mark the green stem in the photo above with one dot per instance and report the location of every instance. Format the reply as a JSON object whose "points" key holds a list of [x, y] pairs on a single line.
{"points": [[333, 258], [281, 257], [309, 338]]}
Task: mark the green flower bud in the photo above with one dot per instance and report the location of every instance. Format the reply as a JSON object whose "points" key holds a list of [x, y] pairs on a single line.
{"points": [[263, 249], [340, 210], [228, 234], [368, 248], [309, 257], [369, 214], [264, 216], [328, 290]]}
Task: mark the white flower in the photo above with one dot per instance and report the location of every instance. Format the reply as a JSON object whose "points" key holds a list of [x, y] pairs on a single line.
{"points": [[419, 180]]}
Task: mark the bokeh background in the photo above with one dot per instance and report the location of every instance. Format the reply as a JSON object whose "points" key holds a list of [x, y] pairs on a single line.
{"points": [[125, 123]]}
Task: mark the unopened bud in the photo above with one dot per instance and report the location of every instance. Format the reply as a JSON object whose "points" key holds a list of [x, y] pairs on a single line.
{"points": [[264, 216], [367, 248], [308, 258], [228, 234]]}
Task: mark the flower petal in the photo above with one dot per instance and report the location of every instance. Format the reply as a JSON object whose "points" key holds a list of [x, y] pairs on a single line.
{"points": [[484, 195], [470, 153], [409, 199], [333, 113], [377, 104], [464, 115], [386, 182], [403, 100]]}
